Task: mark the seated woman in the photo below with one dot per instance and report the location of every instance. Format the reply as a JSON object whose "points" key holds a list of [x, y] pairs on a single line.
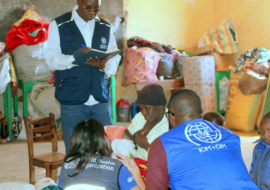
{"points": [[150, 122], [89, 161]]}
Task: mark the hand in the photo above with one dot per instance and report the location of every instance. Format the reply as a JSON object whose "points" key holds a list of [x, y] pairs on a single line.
{"points": [[133, 169], [141, 140], [97, 63], [128, 162]]}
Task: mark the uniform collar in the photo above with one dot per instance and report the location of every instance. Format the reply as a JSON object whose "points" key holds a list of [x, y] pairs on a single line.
{"points": [[261, 141]]}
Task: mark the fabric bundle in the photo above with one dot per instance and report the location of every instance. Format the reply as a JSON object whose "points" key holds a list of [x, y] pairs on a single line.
{"points": [[30, 29], [221, 37]]}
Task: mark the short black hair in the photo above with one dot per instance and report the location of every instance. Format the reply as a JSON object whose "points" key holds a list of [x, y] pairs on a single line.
{"points": [[266, 115], [185, 102], [214, 117]]}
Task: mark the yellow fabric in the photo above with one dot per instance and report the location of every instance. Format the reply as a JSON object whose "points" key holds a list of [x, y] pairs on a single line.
{"points": [[137, 124], [29, 14], [12, 69]]}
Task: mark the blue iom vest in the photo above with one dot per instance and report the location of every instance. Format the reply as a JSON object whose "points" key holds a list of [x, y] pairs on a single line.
{"points": [[74, 86], [204, 156]]}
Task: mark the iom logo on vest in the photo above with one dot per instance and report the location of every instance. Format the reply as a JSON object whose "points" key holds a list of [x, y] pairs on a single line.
{"points": [[103, 43], [200, 133]]}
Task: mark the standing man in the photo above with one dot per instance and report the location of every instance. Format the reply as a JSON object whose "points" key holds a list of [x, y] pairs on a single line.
{"points": [[195, 154], [83, 91]]}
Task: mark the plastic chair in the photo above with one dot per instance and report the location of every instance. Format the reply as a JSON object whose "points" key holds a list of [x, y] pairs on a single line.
{"points": [[27, 86], [46, 131]]}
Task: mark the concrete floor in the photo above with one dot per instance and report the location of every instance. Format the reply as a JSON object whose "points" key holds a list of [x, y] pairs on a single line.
{"points": [[14, 157]]}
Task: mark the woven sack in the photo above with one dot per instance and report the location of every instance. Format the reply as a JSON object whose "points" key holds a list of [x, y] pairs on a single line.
{"points": [[234, 80], [243, 112]]}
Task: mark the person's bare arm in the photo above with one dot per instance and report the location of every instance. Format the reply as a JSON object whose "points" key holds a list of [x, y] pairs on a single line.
{"points": [[134, 170]]}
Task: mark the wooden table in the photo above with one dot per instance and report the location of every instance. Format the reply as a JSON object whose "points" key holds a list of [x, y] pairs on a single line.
{"points": [[169, 84]]}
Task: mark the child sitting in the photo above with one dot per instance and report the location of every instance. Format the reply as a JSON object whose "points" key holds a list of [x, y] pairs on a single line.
{"points": [[260, 166], [214, 117]]}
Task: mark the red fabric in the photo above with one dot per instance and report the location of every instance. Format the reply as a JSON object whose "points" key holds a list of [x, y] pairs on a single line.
{"points": [[142, 164], [20, 35], [157, 171]]}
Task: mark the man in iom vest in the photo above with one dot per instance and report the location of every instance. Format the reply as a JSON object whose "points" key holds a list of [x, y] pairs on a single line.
{"points": [[195, 154], [83, 91]]}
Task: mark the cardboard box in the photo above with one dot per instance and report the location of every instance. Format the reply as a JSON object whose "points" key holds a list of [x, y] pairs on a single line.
{"points": [[208, 96], [222, 61], [199, 70]]}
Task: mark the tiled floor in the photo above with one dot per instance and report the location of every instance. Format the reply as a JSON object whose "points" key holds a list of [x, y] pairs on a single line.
{"points": [[14, 157]]}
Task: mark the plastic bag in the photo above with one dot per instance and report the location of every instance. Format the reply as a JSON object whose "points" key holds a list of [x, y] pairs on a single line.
{"points": [[30, 63], [165, 66], [178, 66], [224, 85], [4, 72], [42, 102], [252, 83], [44, 182], [22, 135]]}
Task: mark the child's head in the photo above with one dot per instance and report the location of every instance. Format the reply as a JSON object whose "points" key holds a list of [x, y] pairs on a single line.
{"points": [[214, 117], [265, 128]]}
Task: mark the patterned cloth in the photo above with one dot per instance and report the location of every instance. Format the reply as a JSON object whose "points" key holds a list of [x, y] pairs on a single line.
{"points": [[137, 124], [222, 39], [140, 66], [208, 96], [199, 70]]}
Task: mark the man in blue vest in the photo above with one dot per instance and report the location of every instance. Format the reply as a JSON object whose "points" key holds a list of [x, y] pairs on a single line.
{"points": [[83, 91], [195, 154]]}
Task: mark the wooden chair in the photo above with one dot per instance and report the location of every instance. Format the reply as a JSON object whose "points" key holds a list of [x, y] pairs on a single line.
{"points": [[46, 131]]}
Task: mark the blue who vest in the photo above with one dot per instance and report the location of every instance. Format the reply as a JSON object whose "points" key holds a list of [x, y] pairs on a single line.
{"points": [[202, 155], [74, 86], [99, 171]]}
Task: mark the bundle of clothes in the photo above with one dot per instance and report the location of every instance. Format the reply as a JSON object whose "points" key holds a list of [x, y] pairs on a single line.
{"points": [[254, 59], [27, 40], [146, 61]]}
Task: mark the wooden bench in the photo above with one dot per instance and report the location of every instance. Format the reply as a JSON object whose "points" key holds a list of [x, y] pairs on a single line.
{"points": [[169, 84]]}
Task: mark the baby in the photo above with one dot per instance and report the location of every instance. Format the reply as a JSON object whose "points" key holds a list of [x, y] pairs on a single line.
{"points": [[260, 166], [214, 117]]}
